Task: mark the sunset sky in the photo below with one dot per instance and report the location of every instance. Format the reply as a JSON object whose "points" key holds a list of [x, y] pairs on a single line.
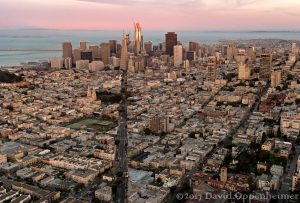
{"points": [[152, 14]]}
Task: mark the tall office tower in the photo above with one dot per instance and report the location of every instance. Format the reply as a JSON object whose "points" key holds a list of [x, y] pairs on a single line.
{"points": [[165, 58], [241, 56], [200, 52], [129, 43], [190, 55], [223, 174], [264, 50], [57, 63], [113, 46], [82, 45], [211, 68], [148, 47], [251, 54], [229, 51], [265, 66], [124, 53], [162, 47], [131, 65], [137, 38], [115, 61], [105, 52], [76, 55], [68, 63], [244, 71], [86, 55], [275, 78], [186, 64], [138, 66], [295, 51], [142, 42], [224, 50], [194, 46], [218, 55], [177, 55], [67, 50], [95, 51], [171, 41], [119, 50], [294, 47]]}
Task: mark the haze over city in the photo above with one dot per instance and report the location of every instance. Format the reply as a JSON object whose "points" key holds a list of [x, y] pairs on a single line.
{"points": [[155, 14]]}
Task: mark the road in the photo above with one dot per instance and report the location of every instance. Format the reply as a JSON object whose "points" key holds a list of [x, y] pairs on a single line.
{"points": [[220, 145], [187, 175], [121, 165], [286, 180]]}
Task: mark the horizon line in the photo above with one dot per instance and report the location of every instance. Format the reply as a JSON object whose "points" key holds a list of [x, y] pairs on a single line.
{"points": [[157, 30]]}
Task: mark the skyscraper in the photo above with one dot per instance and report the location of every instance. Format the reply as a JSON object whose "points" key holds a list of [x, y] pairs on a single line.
{"points": [[82, 45], [241, 56], [275, 78], [190, 55], [67, 50], [244, 71], [177, 55], [294, 47], [95, 51], [251, 54], [113, 46], [86, 55], [295, 51], [211, 68], [229, 51], [105, 52], [76, 55], [137, 38], [148, 47], [194, 46], [171, 41], [265, 66], [124, 53]]}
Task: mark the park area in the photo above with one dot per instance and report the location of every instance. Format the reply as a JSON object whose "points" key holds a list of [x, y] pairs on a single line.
{"points": [[94, 124]]}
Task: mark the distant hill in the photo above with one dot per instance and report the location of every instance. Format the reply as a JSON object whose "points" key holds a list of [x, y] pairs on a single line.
{"points": [[7, 77]]}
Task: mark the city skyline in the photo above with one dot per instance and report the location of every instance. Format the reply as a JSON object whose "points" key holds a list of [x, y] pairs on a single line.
{"points": [[153, 14]]}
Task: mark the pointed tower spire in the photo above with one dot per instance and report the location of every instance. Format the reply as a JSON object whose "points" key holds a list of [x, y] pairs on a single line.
{"points": [[124, 53]]}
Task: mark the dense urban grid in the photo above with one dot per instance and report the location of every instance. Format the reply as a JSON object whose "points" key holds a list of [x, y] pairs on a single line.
{"points": [[143, 123]]}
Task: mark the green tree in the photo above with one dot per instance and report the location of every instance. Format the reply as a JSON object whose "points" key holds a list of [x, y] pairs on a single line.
{"points": [[192, 135], [228, 142], [216, 177], [246, 162], [251, 183], [264, 137], [290, 77], [297, 187], [78, 187], [172, 189], [9, 107], [147, 131], [117, 142]]}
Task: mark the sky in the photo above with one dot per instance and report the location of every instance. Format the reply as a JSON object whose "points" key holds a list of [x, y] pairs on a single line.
{"points": [[152, 14]]}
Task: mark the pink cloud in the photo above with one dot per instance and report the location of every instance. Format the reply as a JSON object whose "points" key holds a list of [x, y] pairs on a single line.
{"points": [[153, 14]]}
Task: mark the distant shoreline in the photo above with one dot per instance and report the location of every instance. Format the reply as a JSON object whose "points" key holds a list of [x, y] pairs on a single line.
{"points": [[27, 44]]}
